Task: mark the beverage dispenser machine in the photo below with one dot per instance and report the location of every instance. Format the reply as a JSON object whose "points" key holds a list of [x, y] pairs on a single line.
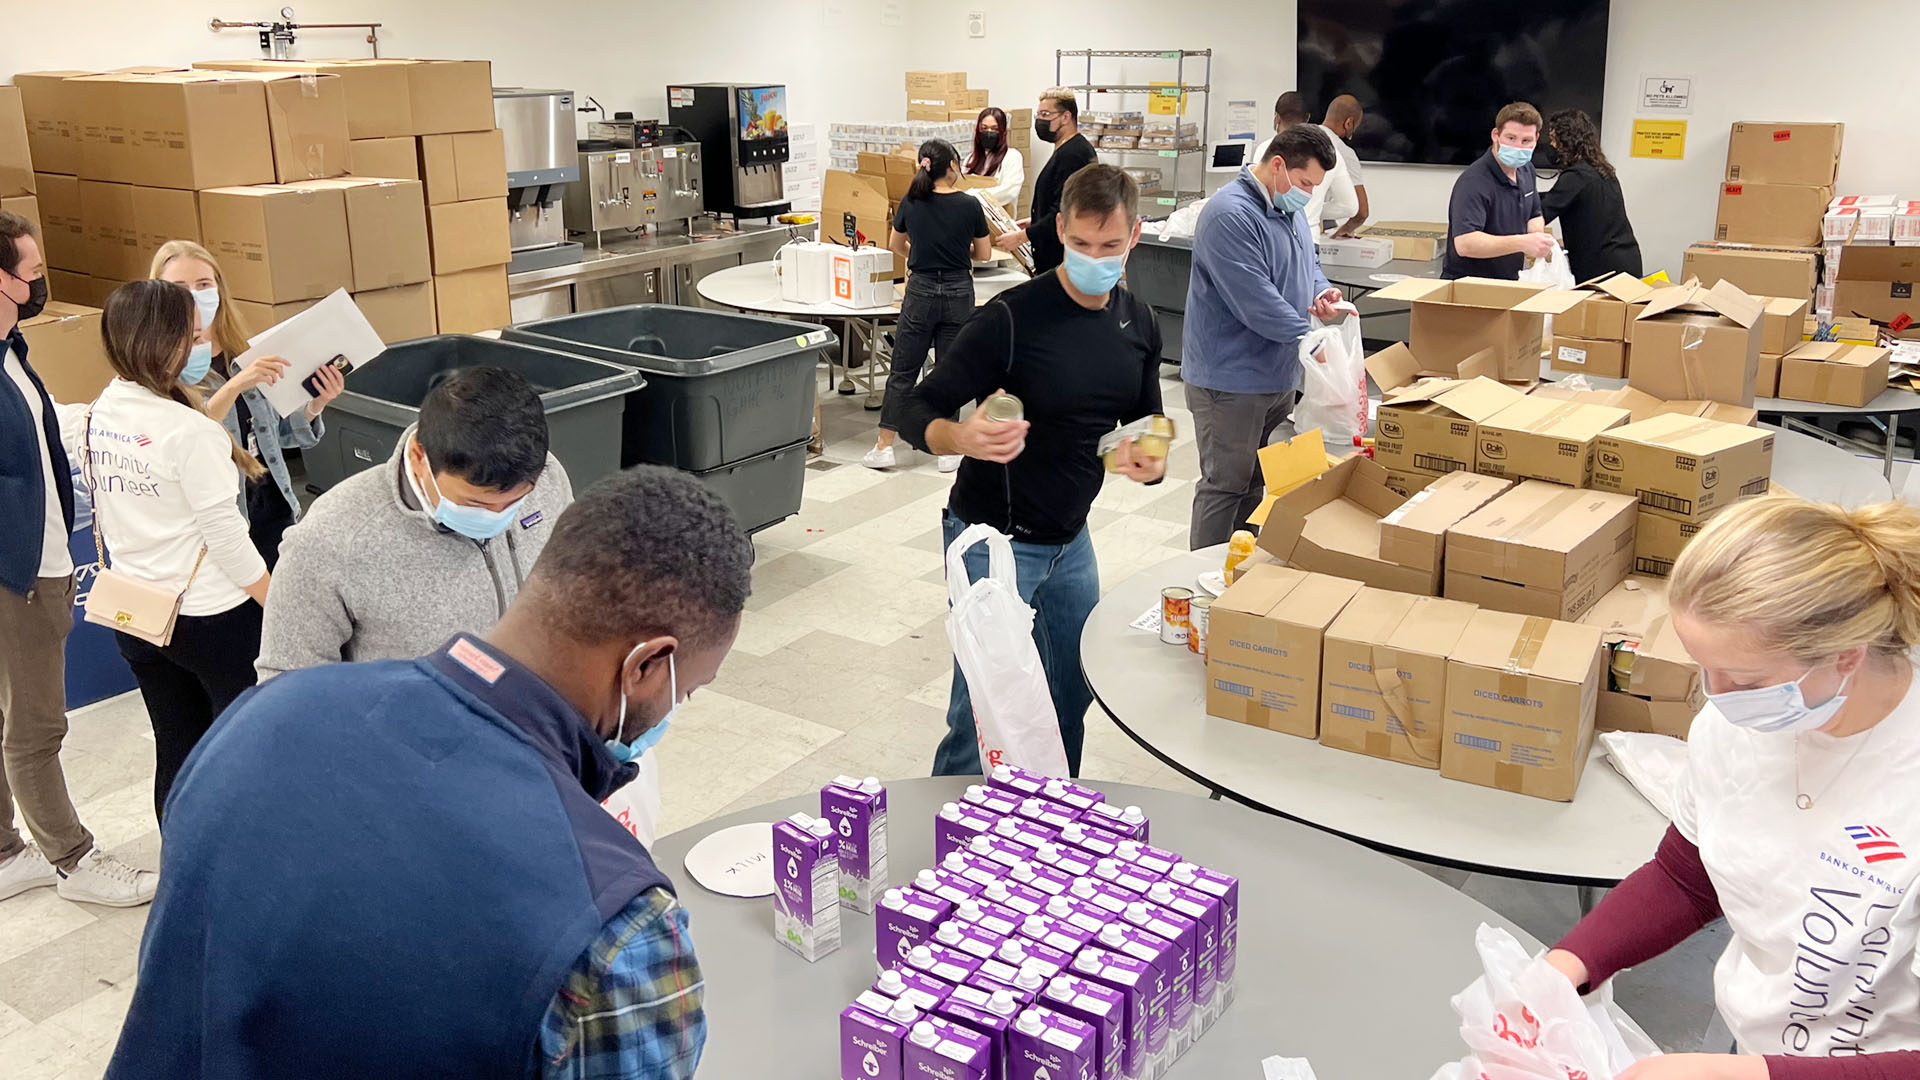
{"points": [[742, 129]]}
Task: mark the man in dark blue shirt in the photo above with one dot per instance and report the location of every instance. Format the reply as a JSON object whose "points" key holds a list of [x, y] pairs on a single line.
{"points": [[1494, 220]]}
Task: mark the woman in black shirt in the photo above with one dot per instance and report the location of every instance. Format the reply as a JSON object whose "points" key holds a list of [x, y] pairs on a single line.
{"points": [[1588, 202], [940, 232]]}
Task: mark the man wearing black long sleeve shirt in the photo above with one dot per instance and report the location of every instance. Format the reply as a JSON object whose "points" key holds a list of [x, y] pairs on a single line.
{"points": [[1057, 121], [1082, 356]]}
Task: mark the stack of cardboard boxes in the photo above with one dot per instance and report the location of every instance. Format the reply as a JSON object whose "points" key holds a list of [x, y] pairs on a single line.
{"points": [[1779, 181], [942, 95], [1595, 338]]}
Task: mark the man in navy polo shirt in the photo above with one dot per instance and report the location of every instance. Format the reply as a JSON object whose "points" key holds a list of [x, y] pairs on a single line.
{"points": [[1494, 220]]}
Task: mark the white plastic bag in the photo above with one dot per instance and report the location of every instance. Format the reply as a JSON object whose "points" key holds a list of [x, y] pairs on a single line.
{"points": [[991, 629], [637, 806], [1656, 765], [1522, 1020], [1333, 382], [1553, 270]]}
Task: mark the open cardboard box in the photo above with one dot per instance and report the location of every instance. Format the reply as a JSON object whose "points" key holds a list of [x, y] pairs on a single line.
{"points": [[1416, 241], [1384, 693], [1608, 314], [1429, 421], [1664, 689], [1521, 696], [1331, 525], [1455, 320], [1285, 466], [1694, 343], [1877, 283]]}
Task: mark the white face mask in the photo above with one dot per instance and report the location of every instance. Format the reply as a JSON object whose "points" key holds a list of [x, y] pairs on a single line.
{"points": [[1779, 708], [646, 740]]}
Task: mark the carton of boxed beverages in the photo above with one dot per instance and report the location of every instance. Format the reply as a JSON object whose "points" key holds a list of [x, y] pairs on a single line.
{"points": [[1877, 283], [1758, 270], [278, 243], [68, 352], [1541, 549], [1775, 152], [401, 313], [1684, 467], [1432, 424], [196, 130], [1858, 225], [806, 891], [1696, 343], [1609, 312], [63, 230], [1542, 439], [379, 102], [1835, 373], [386, 231], [857, 810], [469, 235], [1415, 533], [397, 157], [1521, 695], [1584, 356], [1652, 684], [1331, 525], [1753, 213], [1263, 653], [1840, 201], [1384, 688], [1416, 241], [1453, 321], [464, 167], [16, 157], [53, 119]]}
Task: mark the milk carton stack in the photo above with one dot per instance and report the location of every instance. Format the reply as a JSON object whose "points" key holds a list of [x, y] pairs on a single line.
{"points": [[1052, 938], [1856, 221]]}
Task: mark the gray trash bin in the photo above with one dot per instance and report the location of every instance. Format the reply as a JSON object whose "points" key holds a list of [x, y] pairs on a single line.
{"points": [[585, 401]]}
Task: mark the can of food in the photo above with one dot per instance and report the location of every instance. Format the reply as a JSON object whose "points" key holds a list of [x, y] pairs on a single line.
{"points": [[1197, 616], [1239, 546], [1176, 614], [1620, 664], [1003, 407]]}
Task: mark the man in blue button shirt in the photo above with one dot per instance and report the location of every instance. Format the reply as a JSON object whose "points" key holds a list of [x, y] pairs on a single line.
{"points": [[1494, 221], [1256, 280]]}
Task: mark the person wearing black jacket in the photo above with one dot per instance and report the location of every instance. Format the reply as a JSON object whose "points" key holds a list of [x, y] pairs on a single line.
{"points": [[1082, 355], [1588, 202], [1057, 121]]}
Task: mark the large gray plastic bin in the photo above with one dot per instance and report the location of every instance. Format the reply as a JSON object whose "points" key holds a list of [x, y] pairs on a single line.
{"points": [[764, 489], [585, 401]]}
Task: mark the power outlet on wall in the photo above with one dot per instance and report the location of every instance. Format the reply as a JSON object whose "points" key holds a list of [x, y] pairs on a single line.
{"points": [[977, 24]]}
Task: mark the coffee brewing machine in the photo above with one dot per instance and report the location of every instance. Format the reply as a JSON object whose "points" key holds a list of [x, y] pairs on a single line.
{"points": [[538, 129], [742, 131], [635, 174]]}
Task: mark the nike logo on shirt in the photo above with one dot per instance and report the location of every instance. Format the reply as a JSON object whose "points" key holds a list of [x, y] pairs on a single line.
{"points": [[1126, 324]]}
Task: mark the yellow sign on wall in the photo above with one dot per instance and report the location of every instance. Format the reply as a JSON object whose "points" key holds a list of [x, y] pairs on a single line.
{"points": [[1168, 100], [1664, 139]]}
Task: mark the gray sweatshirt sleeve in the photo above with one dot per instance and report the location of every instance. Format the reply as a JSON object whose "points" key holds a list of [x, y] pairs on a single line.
{"points": [[306, 622]]}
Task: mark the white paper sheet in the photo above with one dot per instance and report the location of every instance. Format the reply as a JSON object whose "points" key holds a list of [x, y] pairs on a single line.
{"points": [[736, 861], [330, 329]]}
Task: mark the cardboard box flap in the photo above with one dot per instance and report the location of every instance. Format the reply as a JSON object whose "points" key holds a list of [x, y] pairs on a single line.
{"points": [[1620, 286], [1524, 645], [1414, 534], [1730, 301], [1260, 590], [1415, 289], [1484, 364], [1636, 610], [1479, 399], [1836, 352], [1671, 298], [1339, 510], [1566, 419], [1552, 302], [1395, 368]]}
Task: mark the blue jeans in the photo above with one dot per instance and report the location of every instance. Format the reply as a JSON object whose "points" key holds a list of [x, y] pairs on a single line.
{"points": [[1062, 583]]}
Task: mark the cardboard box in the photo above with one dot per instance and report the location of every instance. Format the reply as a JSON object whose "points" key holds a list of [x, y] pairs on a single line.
{"points": [[1384, 687], [1635, 613], [279, 242], [1543, 439], [16, 159], [1430, 425], [160, 215], [935, 83], [1698, 344], [449, 95], [397, 158], [102, 288], [106, 147], [400, 314], [464, 167], [1877, 283], [1411, 482], [1858, 225], [1773, 214], [1834, 373], [1331, 525], [1758, 270], [1264, 645], [1454, 320], [1419, 241], [1414, 534], [1542, 549], [472, 300], [1644, 406], [307, 120], [257, 317], [1766, 382], [1288, 466], [1657, 542], [69, 286], [63, 234], [113, 238], [1850, 329], [68, 352], [197, 129], [1772, 152], [469, 235], [1608, 314], [387, 231], [860, 277], [379, 100], [1602, 359], [1521, 695], [853, 209], [27, 206], [1619, 711], [896, 168], [1782, 320], [1684, 467], [53, 120]]}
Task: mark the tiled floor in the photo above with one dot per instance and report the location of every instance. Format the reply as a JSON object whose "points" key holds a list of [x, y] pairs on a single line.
{"points": [[842, 667]]}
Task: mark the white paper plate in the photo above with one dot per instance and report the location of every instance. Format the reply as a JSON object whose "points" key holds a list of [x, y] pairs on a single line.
{"points": [[736, 861], [1214, 582], [1387, 279]]}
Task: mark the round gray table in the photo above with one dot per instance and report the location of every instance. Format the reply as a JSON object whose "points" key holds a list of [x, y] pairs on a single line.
{"points": [[1369, 278], [1346, 957]]}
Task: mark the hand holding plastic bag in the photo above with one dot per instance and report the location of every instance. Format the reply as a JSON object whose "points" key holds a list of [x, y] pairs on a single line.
{"points": [[1333, 381], [991, 629], [1554, 270]]}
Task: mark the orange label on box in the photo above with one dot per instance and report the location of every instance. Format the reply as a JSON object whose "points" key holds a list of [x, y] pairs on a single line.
{"points": [[1733, 189], [1782, 136]]}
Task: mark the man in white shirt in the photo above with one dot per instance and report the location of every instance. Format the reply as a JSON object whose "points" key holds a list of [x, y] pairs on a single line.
{"points": [[36, 612], [1349, 204]]}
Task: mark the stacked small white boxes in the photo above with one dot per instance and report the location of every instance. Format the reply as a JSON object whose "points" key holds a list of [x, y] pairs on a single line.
{"points": [[802, 171], [846, 142], [1859, 220], [806, 271]]}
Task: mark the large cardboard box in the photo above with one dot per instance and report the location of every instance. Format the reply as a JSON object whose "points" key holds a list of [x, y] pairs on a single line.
{"points": [[1684, 467], [1454, 320], [197, 130], [1287, 466], [472, 300], [1698, 344], [1835, 373], [1766, 382], [396, 157], [1418, 241], [449, 95], [68, 352], [1773, 152], [469, 235], [53, 119], [379, 101], [1411, 482], [464, 167], [1542, 439], [400, 314], [161, 215], [1542, 549], [106, 151], [27, 206], [1770, 213], [1597, 358], [1635, 612], [1430, 424], [853, 209], [101, 289], [1414, 534], [307, 119], [935, 83], [1521, 694], [1757, 269], [69, 286], [1608, 314], [1782, 320], [1384, 687], [113, 238], [1877, 283], [257, 317], [278, 243], [63, 233], [1331, 525], [1264, 646], [386, 231], [1657, 542], [16, 159]]}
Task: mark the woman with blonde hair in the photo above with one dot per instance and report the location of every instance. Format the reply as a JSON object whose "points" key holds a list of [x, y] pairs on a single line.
{"points": [[1799, 799], [234, 398]]}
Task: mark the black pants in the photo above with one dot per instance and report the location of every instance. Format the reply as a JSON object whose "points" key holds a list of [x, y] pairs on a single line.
{"points": [[937, 302], [268, 517], [190, 681]]}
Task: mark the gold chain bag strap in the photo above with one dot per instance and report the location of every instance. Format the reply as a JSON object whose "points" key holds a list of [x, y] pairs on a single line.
{"points": [[120, 600]]}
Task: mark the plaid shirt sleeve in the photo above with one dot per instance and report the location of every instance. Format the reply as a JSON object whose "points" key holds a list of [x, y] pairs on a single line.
{"points": [[632, 1005]]}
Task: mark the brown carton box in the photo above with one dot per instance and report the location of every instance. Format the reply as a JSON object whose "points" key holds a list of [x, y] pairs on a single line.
{"points": [[1411, 482], [1698, 344], [1383, 691], [1619, 711], [197, 129], [400, 314], [1542, 439], [1835, 373], [278, 242], [1609, 312], [1877, 283], [1432, 424], [935, 83], [464, 167], [113, 238], [1331, 525], [450, 95], [1418, 241], [1521, 694], [469, 235], [1415, 533], [68, 352], [1641, 405], [1454, 320], [101, 289], [1264, 646], [397, 158], [1657, 542], [27, 206], [1782, 320], [386, 231], [1773, 214], [1542, 549], [1598, 358], [1772, 152], [1757, 269], [69, 286], [160, 215], [257, 317], [1767, 382], [856, 196], [16, 159], [63, 232], [379, 102], [307, 118], [472, 300], [53, 119], [1636, 612], [106, 149], [1684, 467]]}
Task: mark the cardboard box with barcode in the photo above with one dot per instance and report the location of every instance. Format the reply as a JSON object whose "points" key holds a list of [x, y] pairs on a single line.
{"points": [[1264, 642], [1383, 691], [1772, 214], [1609, 312], [1778, 152], [1834, 373], [1651, 684], [1414, 534], [1697, 343], [68, 351], [1542, 439], [1542, 549], [1453, 321], [1582, 356], [1331, 525], [1429, 418], [1758, 270], [1521, 696], [1877, 283], [1684, 467], [1410, 482], [1657, 542], [1417, 241]]}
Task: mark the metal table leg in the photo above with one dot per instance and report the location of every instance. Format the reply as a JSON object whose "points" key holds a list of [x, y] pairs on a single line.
{"points": [[1893, 438], [1589, 896], [845, 385]]}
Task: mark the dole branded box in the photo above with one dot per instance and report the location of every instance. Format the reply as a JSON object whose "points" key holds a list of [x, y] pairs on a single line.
{"points": [[1835, 373], [1455, 320], [806, 893], [1698, 344], [1415, 533], [1331, 525], [1542, 549], [1776, 152], [1521, 692], [1385, 689], [871, 1044], [1138, 983], [1657, 542], [1263, 662], [857, 809], [1432, 424], [1609, 311], [1542, 439], [1102, 1007], [1684, 467], [1048, 1045], [937, 1049]]}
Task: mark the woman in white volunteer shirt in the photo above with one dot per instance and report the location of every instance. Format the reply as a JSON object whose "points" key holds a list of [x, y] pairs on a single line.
{"points": [[166, 483], [994, 156], [1800, 798]]}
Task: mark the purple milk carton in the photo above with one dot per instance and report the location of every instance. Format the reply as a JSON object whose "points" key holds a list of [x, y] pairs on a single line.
{"points": [[998, 919], [974, 940], [957, 824], [1091, 839], [1017, 780], [1204, 910], [1226, 890], [880, 1004], [870, 1045], [952, 888], [1046, 1045], [936, 1049], [1074, 913], [1055, 933], [969, 867], [1154, 860], [806, 889], [1021, 831], [857, 810], [996, 801], [905, 918], [1103, 1007], [986, 1012], [1000, 850], [1046, 812], [1138, 982], [1024, 899], [906, 984], [1163, 956], [1040, 877], [1185, 935], [1126, 875], [1125, 821], [1025, 985], [1066, 858], [937, 961], [1067, 793], [1110, 899], [1017, 954]]}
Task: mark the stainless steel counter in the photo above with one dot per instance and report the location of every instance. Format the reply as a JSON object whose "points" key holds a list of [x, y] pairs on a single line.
{"points": [[660, 269]]}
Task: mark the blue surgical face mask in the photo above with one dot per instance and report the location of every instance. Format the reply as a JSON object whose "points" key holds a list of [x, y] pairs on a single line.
{"points": [[1778, 709], [1514, 156], [1291, 201], [208, 301], [199, 362], [648, 739], [472, 522], [1095, 277]]}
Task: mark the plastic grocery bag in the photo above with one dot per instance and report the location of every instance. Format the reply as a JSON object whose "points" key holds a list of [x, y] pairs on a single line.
{"points": [[1554, 270], [991, 629], [1522, 1020], [1333, 382], [1656, 765], [637, 806]]}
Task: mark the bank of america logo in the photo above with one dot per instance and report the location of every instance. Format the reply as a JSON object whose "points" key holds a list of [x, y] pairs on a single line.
{"points": [[1874, 844], [143, 440]]}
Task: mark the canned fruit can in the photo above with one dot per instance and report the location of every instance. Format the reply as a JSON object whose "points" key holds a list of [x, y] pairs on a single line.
{"points": [[1199, 614], [1176, 614], [1003, 407]]}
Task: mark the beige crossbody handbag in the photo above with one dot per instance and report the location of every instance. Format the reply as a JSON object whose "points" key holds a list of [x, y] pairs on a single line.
{"points": [[122, 601]]}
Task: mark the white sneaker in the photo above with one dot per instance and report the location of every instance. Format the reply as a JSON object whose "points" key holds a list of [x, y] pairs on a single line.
{"points": [[951, 462], [103, 879], [27, 870], [880, 457]]}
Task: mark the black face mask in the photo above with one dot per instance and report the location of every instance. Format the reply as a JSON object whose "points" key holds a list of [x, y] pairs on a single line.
{"points": [[36, 298], [989, 140], [1043, 130]]}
